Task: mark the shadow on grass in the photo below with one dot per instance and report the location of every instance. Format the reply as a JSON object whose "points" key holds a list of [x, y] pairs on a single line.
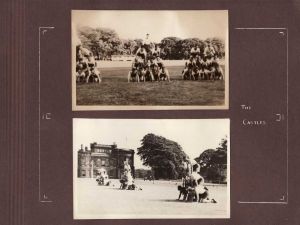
{"points": [[169, 200], [114, 90]]}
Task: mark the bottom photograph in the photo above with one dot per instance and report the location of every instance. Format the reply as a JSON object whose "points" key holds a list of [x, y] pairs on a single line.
{"points": [[151, 168]]}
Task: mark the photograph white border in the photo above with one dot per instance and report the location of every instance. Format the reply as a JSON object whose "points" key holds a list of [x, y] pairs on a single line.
{"points": [[140, 216], [76, 107]]}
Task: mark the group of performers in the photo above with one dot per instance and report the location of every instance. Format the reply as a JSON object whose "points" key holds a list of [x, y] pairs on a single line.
{"points": [[86, 66], [102, 177], [147, 56], [203, 64], [126, 181], [208, 52], [193, 188]]}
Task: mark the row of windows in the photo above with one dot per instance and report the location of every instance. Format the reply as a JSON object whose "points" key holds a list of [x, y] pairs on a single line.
{"points": [[84, 173], [100, 161], [102, 151], [104, 162]]}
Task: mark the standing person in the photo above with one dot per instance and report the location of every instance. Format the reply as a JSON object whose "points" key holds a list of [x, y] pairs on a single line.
{"points": [[147, 42], [128, 176], [127, 166]]}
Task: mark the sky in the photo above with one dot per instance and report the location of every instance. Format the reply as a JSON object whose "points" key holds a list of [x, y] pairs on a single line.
{"points": [[133, 24], [194, 135]]}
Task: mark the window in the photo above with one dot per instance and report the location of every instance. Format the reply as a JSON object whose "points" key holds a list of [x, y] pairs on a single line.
{"points": [[112, 162], [82, 161]]}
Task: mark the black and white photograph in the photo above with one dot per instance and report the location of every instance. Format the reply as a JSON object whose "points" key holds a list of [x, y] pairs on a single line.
{"points": [[151, 168], [150, 59]]}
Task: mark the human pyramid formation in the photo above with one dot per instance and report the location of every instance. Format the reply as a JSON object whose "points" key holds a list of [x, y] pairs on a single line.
{"points": [[127, 179], [193, 189], [203, 65], [86, 66], [147, 65]]}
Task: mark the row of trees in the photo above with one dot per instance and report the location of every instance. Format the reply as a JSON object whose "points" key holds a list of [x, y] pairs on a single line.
{"points": [[105, 42], [168, 160]]}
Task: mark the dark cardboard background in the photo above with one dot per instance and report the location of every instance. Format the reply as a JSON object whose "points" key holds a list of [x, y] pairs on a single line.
{"points": [[257, 166]]}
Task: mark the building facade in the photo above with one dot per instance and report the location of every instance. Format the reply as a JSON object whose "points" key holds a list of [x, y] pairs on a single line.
{"points": [[108, 157]]}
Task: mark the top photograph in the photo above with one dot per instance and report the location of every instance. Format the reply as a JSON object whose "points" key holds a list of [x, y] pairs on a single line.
{"points": [[150, 60]]}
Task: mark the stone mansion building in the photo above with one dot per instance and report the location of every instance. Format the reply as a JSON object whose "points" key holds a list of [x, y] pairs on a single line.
{"points": [[101, 156]]}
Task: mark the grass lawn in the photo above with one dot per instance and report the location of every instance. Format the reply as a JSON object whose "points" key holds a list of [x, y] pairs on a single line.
{"points": [[114, 90], [155, 200]]}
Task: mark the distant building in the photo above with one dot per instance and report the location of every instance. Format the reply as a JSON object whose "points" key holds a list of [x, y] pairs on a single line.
{"points": [[109, 157]]}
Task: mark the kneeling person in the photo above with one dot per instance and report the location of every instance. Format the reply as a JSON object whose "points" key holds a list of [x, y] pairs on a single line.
{"points": [[160, 64]]}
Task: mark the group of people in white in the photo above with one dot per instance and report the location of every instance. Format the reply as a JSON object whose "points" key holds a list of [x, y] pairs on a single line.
{"points": [[126, 181], [102, 177], [193, 188], [148, 65], [86, 66], [203, 65]]}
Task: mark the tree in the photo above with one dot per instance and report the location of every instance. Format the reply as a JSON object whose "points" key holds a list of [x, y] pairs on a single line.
{"points": [[205, 158], [104, 42], [165, 157], [168, 47], [139, 43], [220, 156], [214, 162], [89, 38], [142, 173], [129, 46], [101, 41]]}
